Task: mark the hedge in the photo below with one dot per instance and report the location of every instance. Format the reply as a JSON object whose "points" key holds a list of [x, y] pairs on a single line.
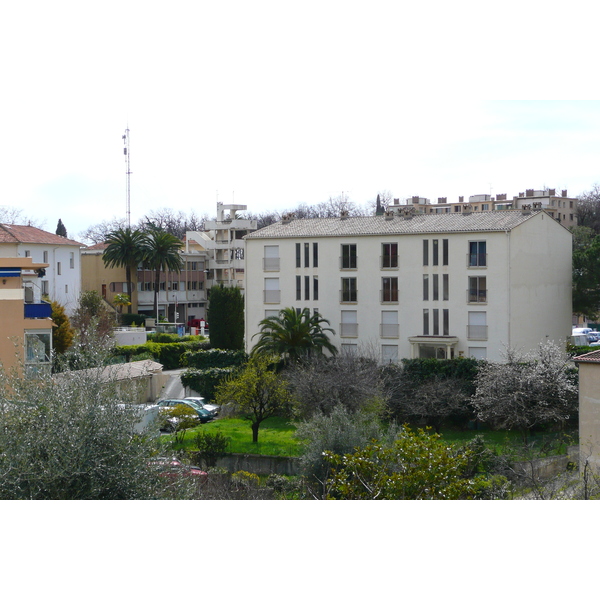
{"points": [[205, 381], [168, 355], [213, 358]]}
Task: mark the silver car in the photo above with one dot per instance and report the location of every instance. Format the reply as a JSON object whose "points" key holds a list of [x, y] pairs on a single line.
{"points": [[200, 401]]}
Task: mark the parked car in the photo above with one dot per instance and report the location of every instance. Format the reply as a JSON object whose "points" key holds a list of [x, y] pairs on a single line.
{"points": [[200, 401], [203, 415], [173, 468], [593, 336]]}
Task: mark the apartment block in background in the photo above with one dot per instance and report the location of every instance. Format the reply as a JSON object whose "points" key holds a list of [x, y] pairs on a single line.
{"points": [[410, 285]]}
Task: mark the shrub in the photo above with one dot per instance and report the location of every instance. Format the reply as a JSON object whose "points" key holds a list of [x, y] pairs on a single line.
{"points": [[129, 319], [211, 446]]}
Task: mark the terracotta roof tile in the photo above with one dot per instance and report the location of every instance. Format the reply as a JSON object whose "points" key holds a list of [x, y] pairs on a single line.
{"points": [[26, 234], [591, 357]]}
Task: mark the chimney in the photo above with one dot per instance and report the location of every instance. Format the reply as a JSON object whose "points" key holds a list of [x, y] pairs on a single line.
{"points": [[415, 199], [461, 198], [528, 193], [564, 193], [442, 200], [500, 197]]}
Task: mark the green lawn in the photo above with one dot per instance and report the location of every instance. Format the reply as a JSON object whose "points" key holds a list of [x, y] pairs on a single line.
{"points": [[275, 436]]}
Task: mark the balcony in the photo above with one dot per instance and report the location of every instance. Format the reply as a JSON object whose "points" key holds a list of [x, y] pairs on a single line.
{"points": [[43, 310], [477, 332]]}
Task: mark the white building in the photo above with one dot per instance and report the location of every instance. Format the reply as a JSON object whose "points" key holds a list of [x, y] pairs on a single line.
{"points": [[62, 279], [418, 285]]}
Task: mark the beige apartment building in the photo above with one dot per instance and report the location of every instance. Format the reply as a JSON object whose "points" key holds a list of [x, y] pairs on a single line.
{"points": [[409, 285], [25, 323], [560, 206]]}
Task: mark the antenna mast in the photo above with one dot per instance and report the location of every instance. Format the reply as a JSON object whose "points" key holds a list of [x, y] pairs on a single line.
{"points": [[127, 173]]}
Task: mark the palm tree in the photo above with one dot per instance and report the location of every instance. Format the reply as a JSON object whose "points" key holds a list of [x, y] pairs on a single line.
{"points": [[294, 335], [125, 249], [161, 253]]}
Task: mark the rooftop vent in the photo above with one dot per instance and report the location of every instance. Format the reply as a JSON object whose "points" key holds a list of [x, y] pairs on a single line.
{"points": [[344, 214], [287, 218], [389, 215]]}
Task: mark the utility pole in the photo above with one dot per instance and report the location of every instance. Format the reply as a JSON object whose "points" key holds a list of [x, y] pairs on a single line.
{"points": [[127, 174]]}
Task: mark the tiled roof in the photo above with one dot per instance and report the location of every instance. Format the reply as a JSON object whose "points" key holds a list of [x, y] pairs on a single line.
{"points": [[379, 225], [98, 247], [591, 357], [26, 234]]}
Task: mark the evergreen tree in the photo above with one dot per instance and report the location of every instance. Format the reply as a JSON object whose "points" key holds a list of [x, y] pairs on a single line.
{"points": [[226, 318], [61, 229], [63, 334]]}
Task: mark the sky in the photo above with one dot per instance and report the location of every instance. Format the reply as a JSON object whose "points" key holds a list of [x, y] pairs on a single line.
{"points": [[272, 104]]}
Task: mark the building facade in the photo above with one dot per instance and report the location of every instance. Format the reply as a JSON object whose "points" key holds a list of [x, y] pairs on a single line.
{"points": [[61, 280], [418, 285], [561, 207], [25, 319]]}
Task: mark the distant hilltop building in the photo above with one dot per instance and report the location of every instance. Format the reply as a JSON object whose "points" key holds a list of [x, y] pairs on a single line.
{"points": [[560, 207]]}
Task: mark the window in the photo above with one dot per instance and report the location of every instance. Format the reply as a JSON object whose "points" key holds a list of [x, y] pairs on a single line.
{"points": [[477, 353], [71, 260], [298, 256], [307, 287], [315, 254], [389, 323], [436, 321], [271, 290], [425, 287], [477, 289], [306, 255], [315, 288], [425, 321], [349, 293], [445, 321], [45, 256], [477, 254], [389, 256], [298, 287], [27, 253], [445, 286], [271, 258], [389, 354], [389, 289], [477, 327], [349, 324], [425, 253], [445, 252], [436, 288], [435, 253], [348, 256], [38, 350], [45, 288], [58, 268]]}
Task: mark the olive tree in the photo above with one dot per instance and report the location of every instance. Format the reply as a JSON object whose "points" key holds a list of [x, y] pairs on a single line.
{"points": [[73, 436]]}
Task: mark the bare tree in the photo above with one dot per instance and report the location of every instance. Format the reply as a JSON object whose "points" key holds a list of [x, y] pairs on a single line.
{"points": [[96, 234], [322, 383], [11, 215]]}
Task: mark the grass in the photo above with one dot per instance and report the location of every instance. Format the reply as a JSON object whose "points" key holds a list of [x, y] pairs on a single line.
{"points": [[275, 436]]}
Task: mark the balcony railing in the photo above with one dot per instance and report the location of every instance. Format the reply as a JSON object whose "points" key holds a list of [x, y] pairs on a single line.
{"points": [[348, 329], [42, 310], [271, 264], [477, 296], [389, 330], [477, 332], [272, 296]]}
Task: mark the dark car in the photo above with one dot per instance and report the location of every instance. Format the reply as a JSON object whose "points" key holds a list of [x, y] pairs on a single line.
{"points": [[203, 415]]}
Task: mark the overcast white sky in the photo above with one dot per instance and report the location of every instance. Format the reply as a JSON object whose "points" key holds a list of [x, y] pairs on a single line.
{"points": [[273, 104]]}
